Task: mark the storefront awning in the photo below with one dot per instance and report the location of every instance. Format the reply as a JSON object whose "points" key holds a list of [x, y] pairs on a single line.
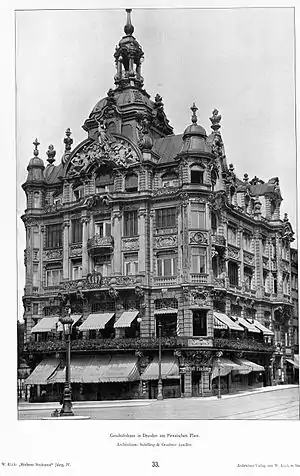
{"points": [[252, 365], [229, 323], [47, 324], [126, 319], [295, 362], [248, 325], [165, 310], [218, 324], [42, 372], [265, 330], [169, 369], [95, 322], [121, 368], [75, 318], [226, 366]]}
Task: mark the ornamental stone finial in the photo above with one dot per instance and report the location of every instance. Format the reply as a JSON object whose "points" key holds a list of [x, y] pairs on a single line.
{"points": [[36, 150], [128, 28], [51, 152], [215, 120], [68, 141], [194, 109]]}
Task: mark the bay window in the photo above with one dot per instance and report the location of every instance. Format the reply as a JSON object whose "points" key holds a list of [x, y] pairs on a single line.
{"points": [[198, 216], [199, 260], [166, 218], [131, 264]]}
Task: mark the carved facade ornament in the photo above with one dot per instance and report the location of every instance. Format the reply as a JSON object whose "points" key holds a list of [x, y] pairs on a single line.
{"points": [[108, 150], [198, 238], [165, 241], [233, 253], [49, 255], [217, 201], [199, 297], [248, 258], [167, 191], [287, 231], [96, 200], [140, 293], [75, 250], [130, 244]]}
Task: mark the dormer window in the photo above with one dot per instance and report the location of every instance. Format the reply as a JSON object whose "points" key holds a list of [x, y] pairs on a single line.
{"points": [[104, 180], [131, 183], [78, 192]]}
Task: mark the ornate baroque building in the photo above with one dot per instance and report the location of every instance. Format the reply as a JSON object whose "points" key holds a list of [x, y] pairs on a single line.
{"points": [[137, 226]]}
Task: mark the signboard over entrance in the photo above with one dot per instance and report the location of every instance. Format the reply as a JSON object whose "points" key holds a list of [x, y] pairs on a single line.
{"points": [[199, 342]]}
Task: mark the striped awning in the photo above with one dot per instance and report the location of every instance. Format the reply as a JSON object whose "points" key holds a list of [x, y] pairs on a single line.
{"points": [[126, 319], [165, 310], [252, 365], [95, 322], [42, 372], [169, 369], [265, 330], [46, 324], [294, 362], [75, 318], [229, 323], [226, 366], [121, 368], [219, 324], [248, 325]]}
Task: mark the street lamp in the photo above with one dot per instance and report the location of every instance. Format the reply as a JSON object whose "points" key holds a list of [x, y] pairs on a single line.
{"points": [[219, 373], [67, 321], [160, 384]]}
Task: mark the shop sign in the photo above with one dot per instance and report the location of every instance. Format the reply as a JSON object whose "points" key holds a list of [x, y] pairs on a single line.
{"points": [[197, 368], [199, 342]]}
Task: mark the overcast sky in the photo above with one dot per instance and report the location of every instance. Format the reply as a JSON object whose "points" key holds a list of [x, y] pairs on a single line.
{"points": [[240, 61]]}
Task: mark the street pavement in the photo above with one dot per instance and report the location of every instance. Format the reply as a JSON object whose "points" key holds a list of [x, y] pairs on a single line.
{"points": [[271, 403]]}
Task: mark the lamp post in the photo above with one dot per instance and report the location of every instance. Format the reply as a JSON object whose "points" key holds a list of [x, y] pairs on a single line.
{"points": [[219, 354], [67, 321], [160, 384]]}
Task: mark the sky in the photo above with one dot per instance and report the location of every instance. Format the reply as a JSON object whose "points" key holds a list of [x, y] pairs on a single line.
{"points": [[240, 61]]}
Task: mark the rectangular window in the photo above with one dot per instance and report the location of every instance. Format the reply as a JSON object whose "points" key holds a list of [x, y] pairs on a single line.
{"points": [[53, 236], [131, 264], [196, 177], [166, 264], [200, 323], [265, 278], [36, 238], [247, 242], [232, 235], [35, 275], [264, 246], [102, 264], [103, 228], [199, 260], [248, 278], [53, 277], [76, 231], [35, 308], [76, 271], [166, 218], [198, 216], [130, 223], [233, 273]]}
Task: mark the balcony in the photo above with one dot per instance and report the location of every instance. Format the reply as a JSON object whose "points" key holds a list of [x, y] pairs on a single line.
{"points": [[98, 244], [97, 281], [165, 280], [197, 278], [243, 344], [86, 345], [218, 240]]}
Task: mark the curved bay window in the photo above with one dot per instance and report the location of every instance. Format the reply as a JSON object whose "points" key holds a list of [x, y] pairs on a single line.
{"points": [[131, 182], [233, 273], [198, 216], [166, 264], [200, 322], [36, 200], [198, 260]]}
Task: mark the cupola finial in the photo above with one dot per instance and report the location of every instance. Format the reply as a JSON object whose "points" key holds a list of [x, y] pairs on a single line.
{"points": [[194, 109], [36, 150], [215, 120], [128, 28], [51, 152]]}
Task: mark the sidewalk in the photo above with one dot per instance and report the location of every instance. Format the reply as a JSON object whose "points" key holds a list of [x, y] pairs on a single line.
{"points": [[26, 406]]}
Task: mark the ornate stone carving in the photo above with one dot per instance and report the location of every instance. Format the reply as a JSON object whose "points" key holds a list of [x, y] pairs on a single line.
{"points": [[248, 258], [199, 297], [198, 238], [233, 253], [96, 200], [130, 244], [139, 292], [75, 250], [49, 255], [165, 191], [166, 241]]}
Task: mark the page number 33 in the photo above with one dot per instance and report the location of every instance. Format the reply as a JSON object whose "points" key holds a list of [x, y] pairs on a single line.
{"points": [[155, 464]]}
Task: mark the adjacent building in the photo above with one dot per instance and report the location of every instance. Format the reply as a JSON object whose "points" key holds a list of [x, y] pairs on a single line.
{"points": [[137, 227]]}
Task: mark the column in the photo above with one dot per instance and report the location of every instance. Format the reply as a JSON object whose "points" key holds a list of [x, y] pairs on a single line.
{"points": [[85, 257], [151, 245], [116, 233], [91, 232], [142, 240], [66, 241]]}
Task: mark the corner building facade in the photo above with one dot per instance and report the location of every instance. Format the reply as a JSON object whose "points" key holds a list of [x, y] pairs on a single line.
{"points": [[138, 226]]}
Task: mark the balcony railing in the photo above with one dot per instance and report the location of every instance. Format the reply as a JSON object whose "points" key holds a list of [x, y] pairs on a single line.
{"points": [[198, 278], [82, 345], [243, 344], [97, 281], [165, 280], [97, 243]]}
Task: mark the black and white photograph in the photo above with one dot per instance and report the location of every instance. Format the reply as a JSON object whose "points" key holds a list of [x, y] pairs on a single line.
{"points": [[156, 212]]}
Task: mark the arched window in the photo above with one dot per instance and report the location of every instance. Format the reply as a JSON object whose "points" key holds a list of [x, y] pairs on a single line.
{"points": [[36, 200], [111, 127], [196, 175], [131, 183]]}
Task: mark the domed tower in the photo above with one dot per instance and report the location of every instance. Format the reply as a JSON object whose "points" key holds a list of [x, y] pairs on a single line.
{"points": [[34, 185], [194, 137], [128, 109]]}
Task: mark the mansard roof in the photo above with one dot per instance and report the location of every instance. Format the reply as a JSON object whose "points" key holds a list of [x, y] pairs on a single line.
{"points": [[167, 148]]}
